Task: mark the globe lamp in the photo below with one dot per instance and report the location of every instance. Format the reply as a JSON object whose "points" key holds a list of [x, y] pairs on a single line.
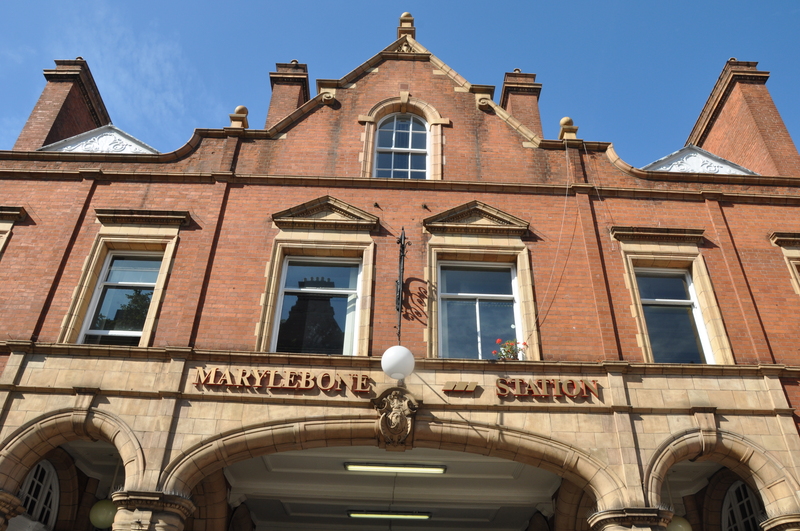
{"points": [[102, 514], [679, 523], [397, 362]]}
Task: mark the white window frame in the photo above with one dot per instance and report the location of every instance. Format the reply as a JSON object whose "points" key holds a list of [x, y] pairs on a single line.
{"points": [[351, 339], [49, 485], [98, 291], [730, 504], [707, 353], [426, 151], [514, 298]]}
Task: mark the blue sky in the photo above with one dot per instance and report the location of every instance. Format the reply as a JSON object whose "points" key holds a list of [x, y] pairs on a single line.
{"points": [[635, 73]]}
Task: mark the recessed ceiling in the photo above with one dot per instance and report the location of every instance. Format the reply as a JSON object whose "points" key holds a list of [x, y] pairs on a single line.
{"points": [[311, 489]]}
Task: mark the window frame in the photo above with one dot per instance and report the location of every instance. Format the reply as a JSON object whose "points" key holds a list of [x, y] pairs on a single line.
{"points": [[51, 484], [706, 354], [410, 150], [675, 249], [98, 291], [729, 503], [351, 322], [127, 232], [514, 298]]}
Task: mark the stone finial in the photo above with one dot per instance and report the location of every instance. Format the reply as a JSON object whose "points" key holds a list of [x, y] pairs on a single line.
{"points": [[568, 130], [406, 26], [239, 117]]}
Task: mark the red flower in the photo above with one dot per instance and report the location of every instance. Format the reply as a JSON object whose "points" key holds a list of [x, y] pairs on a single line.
{"points": [[499, 341], [494, 352]]}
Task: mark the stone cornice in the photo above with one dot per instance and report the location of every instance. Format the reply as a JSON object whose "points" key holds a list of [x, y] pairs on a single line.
{"points": [[784, 522], [657, 234], [109, 216], [8, 213], [154, 501], [345, 217], [630, 517], [458, 221], [785, 239]]}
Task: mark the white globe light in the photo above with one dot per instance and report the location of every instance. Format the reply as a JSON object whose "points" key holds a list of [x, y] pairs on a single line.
{"points": [[397, 362], [102, 514], [679, 523]]}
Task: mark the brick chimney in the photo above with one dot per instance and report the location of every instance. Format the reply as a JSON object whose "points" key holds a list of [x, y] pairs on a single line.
{"points": [[70, 104], [741, 123], [289, 90], [520, 97]]}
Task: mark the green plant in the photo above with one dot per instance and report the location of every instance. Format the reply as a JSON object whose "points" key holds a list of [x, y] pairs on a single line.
{"points": [[510, 350]]}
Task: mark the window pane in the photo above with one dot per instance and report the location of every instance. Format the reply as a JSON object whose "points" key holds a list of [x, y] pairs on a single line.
{"points": [[384, 161], [122, 308], [385, 138], [417, 161], [93, 339], [459, 329], [383, 173], [673, 334], [418, 140], [497, 322], [314, 323], [318, 275], [417, 174], [417, 125], [653, 286], [458, 279], [401, 161], [402, 123], [401, 140], [140, 270], [400, 174]]}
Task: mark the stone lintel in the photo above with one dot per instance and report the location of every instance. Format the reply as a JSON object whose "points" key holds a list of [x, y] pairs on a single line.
{"points": [[8, 213], [658, 234], [785, 239], [111, 216]]}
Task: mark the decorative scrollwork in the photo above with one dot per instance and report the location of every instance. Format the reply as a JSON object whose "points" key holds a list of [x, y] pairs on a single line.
{"points": [[396, 422]]}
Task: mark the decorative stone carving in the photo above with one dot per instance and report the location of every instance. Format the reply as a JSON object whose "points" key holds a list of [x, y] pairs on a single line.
{"points": [[631, 518], [692, 159], [150, 511], [405, 47], [397, 409], [784, 522], [326, 213], [476, 218], [105, 139], [10, 506]]}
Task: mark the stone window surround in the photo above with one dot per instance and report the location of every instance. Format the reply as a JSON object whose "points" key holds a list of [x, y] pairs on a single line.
{"points": [[410, 150], [488, 250], [789, 242], [403, 104], [318, 244], [675, 249], [8, 215], [125, 230]]}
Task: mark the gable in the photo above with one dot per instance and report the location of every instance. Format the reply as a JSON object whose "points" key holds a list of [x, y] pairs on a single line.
{"points": [[326, 213], [105, 139], [476, 218], [692, 159]]}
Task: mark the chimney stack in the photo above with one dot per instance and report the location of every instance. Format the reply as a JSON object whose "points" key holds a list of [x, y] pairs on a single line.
{"points": [[289, 90], [520, 97]]}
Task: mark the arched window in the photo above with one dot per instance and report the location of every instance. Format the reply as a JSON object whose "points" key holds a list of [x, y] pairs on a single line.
{"points": [[39, 494], [401, 148], [740, 509]]}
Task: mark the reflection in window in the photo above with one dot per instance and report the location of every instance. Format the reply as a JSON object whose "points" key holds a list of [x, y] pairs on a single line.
{"points": [[402, 148], [318, 307], [122, 299], [740, 509], [39, 494], [477, 306], [672, 316]]}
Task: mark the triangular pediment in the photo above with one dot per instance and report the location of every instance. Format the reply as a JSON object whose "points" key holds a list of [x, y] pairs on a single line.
{"points": [[326, 213], [692, 159], [105, 139], [476, 218]]}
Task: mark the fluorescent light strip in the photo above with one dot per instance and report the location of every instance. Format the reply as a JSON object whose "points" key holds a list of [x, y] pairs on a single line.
{"points": [[395, 469], [392, 516]]}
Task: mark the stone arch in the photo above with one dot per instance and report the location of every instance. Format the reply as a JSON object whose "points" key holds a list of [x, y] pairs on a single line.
{"points": [[32, 442], [404, 103], [741, 456], [190, 467]]}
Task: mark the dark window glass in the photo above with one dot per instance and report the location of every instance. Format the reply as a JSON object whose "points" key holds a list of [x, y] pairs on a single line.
{"points": [[458, 279], [653, 286], [673, 334], [401, 144]]}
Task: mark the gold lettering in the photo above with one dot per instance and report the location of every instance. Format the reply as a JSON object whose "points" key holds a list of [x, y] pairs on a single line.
{"points": [[288, 383], [306, 380], [259, 377], [535, 387], [205, 378], [556, 387], [502, 387], [360, 383], [590, 386], [272, 383], [519, 386], [576, 389], [226, 378], [332, 381]]}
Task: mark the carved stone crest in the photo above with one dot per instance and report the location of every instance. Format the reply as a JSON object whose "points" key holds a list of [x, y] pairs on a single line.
{"points": [[395, 425]]}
